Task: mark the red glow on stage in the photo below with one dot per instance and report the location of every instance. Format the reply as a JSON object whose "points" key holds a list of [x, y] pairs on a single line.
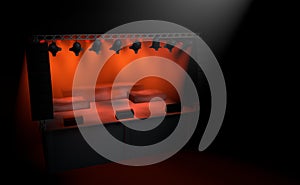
{"points": [[63, 66]]}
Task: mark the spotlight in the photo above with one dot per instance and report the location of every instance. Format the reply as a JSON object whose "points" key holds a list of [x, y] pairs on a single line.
{"points": [[170, 45], [96, 46], [136, 46], [53, 48], [76, 48], [187, 44], [116, 46], [155, 43]]}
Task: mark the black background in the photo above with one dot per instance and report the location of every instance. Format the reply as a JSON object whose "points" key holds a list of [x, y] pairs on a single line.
{"points": [[259, 126]]}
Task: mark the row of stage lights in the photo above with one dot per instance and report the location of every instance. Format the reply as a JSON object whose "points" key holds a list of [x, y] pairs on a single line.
{"points": [[117, 46], [53, 48]]}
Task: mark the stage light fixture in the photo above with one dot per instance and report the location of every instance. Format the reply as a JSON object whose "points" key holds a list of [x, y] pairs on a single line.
{"points": [[96, 47], [116, 46], [155, 43], [170, 45], [186, 44], [76, 48], [53, 48], [136, 46]]}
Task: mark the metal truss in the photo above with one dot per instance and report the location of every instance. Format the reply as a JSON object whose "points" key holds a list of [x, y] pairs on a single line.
{"points": [[144, 36]]}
